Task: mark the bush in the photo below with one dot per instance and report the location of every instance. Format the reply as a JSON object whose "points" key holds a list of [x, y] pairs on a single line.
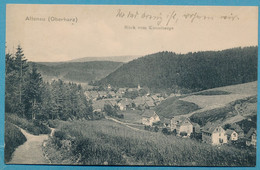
{"points": [[166, 131], [183, 134], [52, 123], [13, 139], [156, 129], [35, 127], [121, 116]]}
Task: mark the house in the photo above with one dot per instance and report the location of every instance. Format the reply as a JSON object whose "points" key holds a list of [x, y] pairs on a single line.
{"points": [[98, 105], [112, 94], [231, 135], [196, 128], [139, 103], [156, 99], [213, 134], [125, 103], [102, 94], [149, 117], [251, 137], [166, 122], [149, 104], [92, 95], [238, 130], [182, 125]]}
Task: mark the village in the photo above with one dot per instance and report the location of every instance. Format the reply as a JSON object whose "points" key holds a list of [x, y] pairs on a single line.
{"points": [[140, 103]]}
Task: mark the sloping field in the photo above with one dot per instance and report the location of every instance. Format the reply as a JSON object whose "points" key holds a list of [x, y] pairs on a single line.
{"points": [[215, 100], [246, 88], [238, 92], [227, 108]]}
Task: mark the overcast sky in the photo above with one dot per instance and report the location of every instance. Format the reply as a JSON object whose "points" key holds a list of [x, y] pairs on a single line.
{"points": [[99, 31]]}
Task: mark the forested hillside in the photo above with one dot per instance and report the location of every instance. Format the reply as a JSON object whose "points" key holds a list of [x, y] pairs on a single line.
{"points": [[77, 71], [191, 71], [28, 96]]}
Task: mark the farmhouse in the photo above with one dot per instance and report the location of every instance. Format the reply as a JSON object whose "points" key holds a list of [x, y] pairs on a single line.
{"points": [[196, 128], [251, 137], [231, 135], [91, 95], [139, 103], [98, 105], [181, 125], [149, 117], [149, 104], [125, 104], [213, 134], [237, 129], [166, 122]]}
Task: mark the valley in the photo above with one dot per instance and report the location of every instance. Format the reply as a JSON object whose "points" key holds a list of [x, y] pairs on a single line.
{"points": [[161, 109]]}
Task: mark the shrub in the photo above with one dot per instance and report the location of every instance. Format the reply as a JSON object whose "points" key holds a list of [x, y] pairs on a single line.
{"points": [[183, 134], [121, 116], [35, 127], [166, 131], [156, 129], [53, 123], [13, 139]]}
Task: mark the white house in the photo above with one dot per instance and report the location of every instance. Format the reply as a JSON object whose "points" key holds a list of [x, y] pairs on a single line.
{"points": [[182, 125], [231, 135], [214, 134], [149, 117]]}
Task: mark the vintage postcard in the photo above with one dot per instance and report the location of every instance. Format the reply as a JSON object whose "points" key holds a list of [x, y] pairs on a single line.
{"points": [[131, 85]]}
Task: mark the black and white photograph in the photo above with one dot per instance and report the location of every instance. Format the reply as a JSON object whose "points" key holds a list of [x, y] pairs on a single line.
{"points": [[131, 85]]}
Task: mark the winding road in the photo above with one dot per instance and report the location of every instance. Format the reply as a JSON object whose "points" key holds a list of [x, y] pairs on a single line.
{"points": [[31, 151]]}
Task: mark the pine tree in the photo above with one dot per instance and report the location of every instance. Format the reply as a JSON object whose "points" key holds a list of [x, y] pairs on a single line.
{"points": [[33, 97], [21, 68]]}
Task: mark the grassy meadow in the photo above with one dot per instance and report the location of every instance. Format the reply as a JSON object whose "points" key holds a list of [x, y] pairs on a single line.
{"points": [[105, 142]]}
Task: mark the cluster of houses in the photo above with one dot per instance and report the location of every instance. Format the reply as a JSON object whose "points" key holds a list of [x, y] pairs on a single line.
{"points": [[117, 99], [211, 133]]}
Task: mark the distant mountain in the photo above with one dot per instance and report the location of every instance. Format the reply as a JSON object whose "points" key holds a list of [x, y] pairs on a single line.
{"points": [[109, 58], [192, 71], [77, 71]]}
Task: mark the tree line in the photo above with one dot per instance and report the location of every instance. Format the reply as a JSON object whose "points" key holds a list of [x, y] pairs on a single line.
{"points": [[28, 96]]}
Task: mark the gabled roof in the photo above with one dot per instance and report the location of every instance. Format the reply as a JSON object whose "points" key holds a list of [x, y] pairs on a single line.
{"points": [[148, 113], [210, 127], [229, 132], [155, 97], [138, 101], [150, 103], [99, 104], [165, 120], [250, 133], [236, 128], [181, 120]]}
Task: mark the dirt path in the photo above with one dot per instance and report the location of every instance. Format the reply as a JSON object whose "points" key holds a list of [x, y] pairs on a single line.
{"points": [[31, 151], [236, 118], [126, 124]]}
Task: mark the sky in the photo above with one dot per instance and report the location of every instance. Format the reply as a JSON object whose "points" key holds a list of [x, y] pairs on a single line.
{"points": [[52, 33]]}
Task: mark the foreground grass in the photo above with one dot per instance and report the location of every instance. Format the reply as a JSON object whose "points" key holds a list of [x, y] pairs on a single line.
{"points": [[33, 127], [13, 138], [105, 142]]}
